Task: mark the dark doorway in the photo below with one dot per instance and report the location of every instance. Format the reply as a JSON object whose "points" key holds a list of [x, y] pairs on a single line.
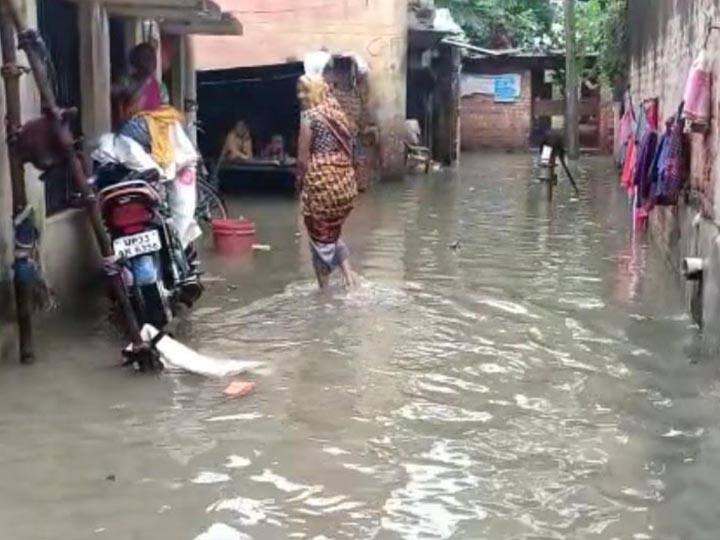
{"points": [[265, 98], [58, 25]]}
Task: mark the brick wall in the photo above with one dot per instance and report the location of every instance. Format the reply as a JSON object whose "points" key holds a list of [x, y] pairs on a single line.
{"points": [[486, 124], [665, 37]]}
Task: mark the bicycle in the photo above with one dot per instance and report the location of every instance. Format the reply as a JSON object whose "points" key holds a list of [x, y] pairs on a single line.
{"points": [[210, 203]]}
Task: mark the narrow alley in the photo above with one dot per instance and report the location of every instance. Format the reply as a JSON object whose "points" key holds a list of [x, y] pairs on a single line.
{"points": [[509, 368]]}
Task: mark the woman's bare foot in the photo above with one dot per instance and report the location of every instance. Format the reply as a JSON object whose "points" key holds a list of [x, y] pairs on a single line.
{"points": [[349, 277], [322, 279]]}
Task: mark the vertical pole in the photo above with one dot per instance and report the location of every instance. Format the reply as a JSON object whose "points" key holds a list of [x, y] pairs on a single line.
{"points": [[133, 34], [190, 105], [177, 73], [572, 105], [11, 75], [95, 75]]}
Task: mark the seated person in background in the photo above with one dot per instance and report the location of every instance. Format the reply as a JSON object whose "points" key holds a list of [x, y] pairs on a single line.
{"points": [[275, 150], [238, 144]]}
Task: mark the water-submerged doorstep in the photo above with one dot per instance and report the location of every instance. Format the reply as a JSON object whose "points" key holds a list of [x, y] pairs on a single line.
{"points": [[533, 382]]}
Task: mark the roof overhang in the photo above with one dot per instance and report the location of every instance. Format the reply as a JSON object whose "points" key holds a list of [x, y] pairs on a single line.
{"points": [[178, 16], [424, 38]]}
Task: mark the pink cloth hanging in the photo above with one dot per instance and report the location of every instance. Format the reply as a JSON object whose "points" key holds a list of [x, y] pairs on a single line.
{"points": [[627, 125], [652, 114], [697, 91]]}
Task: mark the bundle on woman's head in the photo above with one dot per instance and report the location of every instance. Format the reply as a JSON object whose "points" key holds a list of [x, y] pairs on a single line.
{"points": [[315, 63]]}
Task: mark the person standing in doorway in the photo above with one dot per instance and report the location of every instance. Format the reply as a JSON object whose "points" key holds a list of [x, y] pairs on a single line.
{"points": [[143, 64], [326, 177]]}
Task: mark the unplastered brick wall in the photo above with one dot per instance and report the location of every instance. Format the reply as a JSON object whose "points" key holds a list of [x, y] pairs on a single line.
{"points": [[665, 37], [487, 124]]}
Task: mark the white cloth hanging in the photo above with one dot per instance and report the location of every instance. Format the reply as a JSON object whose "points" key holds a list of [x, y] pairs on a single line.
{"points": [[175, 355]]}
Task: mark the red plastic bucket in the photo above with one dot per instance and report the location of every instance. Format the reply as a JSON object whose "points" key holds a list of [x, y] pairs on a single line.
{"points": [[233, 236]]}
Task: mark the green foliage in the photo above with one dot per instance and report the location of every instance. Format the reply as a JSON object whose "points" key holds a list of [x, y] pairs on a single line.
{"points": [[613, 46], [502, 23], [601, 28]]}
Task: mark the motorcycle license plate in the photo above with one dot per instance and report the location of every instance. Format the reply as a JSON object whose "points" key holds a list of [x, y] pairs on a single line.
{"points": [[127, 247]]}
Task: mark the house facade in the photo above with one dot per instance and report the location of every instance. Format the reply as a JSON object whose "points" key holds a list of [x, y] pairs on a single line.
{"points": [[284, 31], [511, 101]]}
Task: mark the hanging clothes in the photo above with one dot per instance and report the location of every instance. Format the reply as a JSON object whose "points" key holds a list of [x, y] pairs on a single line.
{"points": [[670, 170], [659, 162], [647, 148], [627, 127], [627, 178], [643, 167], [628, 171]]}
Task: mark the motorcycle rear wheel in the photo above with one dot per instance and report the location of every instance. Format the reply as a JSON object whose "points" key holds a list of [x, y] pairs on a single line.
{"points": [[151, 306]]}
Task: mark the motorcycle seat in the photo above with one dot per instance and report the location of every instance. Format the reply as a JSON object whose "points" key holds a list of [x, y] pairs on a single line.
{"points": [[111, 174], [138, 189]]}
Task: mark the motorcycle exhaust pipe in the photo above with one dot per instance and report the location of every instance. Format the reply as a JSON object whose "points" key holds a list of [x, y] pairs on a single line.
{"points": [[692, 268]]}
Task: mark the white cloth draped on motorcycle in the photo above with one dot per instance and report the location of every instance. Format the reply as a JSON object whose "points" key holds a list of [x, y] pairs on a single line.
{"points": [[176, 356], [180, 174]]}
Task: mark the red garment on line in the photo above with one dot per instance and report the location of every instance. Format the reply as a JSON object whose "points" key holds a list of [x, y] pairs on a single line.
{"points": [[628, 172]]}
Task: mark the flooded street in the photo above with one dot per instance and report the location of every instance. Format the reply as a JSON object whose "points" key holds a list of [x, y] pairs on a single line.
{"points": [[534, 383]]}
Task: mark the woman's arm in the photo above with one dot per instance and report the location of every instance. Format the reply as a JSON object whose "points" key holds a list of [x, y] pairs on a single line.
{"points": [[303, 158]]}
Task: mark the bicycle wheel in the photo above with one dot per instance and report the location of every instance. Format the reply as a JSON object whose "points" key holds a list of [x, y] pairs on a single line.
{"points": [[210, 204]]}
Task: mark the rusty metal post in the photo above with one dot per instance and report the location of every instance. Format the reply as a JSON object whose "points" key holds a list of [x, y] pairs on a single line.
{"points": [[30, 43], [11, 73], [572, 76]]}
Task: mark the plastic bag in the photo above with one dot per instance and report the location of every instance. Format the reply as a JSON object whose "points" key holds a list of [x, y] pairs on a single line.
{"points": [[315, 63], [182, 198]]}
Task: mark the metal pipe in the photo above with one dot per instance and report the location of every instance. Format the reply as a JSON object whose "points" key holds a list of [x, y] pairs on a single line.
{"points": [[692, 268], [11, 73]]}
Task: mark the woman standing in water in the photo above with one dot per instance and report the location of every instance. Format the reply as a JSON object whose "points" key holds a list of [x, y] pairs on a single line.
{"points": [[325, 177]]}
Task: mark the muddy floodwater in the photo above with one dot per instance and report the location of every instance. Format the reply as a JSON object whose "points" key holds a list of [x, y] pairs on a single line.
{"points": [[510, 368]]}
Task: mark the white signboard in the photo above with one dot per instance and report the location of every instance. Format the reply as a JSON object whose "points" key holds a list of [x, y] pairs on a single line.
{"points": [[472, 83], [477, 84]]}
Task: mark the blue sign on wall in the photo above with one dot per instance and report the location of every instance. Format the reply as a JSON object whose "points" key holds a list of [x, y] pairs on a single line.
{"points": [[507, 88]]}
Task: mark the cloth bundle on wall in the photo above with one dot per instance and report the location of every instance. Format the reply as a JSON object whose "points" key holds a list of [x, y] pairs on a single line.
{"points": [[697, 92]]}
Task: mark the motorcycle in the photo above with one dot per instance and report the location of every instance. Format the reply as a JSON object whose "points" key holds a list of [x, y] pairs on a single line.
{"points": [[159, 274]]}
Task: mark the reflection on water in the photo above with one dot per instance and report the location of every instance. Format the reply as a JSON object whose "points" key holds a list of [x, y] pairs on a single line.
{"points": [[509, 368]]}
